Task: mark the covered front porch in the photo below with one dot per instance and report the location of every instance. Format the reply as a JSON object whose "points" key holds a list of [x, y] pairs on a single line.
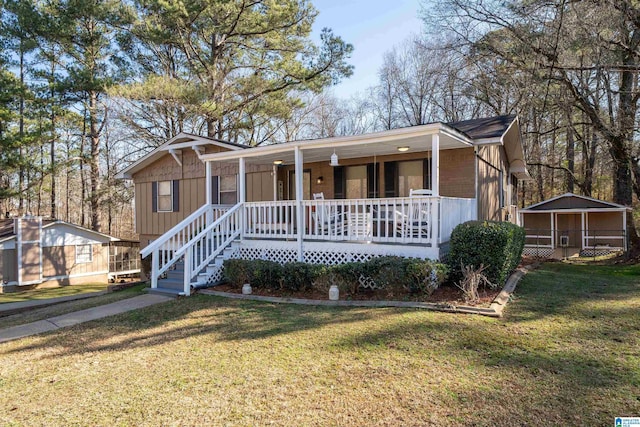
{"points": [[376, 189], [327, 201]]}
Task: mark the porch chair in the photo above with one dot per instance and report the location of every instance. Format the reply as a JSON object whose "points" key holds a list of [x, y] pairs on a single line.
{"points": [[414, 221], [327, 218]]}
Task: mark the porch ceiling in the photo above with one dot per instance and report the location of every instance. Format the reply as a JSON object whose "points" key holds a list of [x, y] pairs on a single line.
{"points": [[379, 144]]}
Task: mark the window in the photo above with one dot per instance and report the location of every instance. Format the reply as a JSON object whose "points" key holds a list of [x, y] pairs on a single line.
{"points": [[228, 190], [410, 176], [165, 196], [83, 254], [356, 182]]}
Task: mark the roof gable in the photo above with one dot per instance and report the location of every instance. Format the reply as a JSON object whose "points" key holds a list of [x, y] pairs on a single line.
{"points": [[7, 230], [572, 201], [484, 128], [180, 141]]}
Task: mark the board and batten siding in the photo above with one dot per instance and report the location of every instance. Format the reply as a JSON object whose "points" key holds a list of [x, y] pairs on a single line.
{"points": [[491, 161], [192, 188]]}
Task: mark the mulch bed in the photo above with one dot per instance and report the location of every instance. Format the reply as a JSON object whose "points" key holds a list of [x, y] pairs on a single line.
{"points": [[446, 294]]}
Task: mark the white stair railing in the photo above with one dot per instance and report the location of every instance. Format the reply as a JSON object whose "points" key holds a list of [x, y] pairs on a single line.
{"points": [[165, 248], [209, 243]]}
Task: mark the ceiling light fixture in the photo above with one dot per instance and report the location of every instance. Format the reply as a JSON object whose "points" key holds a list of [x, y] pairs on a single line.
{"points": [[277, 162], [334, 159], [403, 149]]}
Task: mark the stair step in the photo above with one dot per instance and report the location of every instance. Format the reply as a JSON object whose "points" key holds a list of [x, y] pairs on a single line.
{"points": [[164, 291], [169, 283], [175, 274]]}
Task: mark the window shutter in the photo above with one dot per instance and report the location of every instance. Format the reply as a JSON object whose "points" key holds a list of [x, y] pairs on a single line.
{"points": [[390, 179], [154, 196], [426, 168], [339, 184], [176, 195], [214, 190], [373, 175]]}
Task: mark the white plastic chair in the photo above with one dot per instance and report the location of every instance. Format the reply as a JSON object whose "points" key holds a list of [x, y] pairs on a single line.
{"points": [[414, 221], [328, 220]]}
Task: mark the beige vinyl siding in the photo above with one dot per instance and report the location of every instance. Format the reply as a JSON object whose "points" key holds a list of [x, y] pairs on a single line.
{"points": [[61, 261]]}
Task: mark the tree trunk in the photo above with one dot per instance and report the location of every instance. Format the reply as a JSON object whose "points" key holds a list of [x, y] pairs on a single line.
{"points": [[21, 135], [94, 195], [53, 143], [570, 152]]}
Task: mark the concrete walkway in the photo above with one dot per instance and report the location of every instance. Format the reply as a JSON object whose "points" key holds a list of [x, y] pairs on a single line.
{"points": [[8, 308], [70, 319]]}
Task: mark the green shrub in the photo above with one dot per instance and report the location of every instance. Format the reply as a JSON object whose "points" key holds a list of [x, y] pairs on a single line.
{"points": [[237, 271], [298, 276], [426, 276], [348, 275], [266, 274], [259, 273], [390, 272], [496, 245]]}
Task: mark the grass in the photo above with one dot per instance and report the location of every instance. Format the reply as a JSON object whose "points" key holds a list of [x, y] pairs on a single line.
{"points": [[46, 293], [567, 353], [68, 307]]}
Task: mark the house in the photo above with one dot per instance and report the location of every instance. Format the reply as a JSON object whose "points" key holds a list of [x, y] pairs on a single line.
{"points": [[201, 200], [569, 225], [37, 252]]}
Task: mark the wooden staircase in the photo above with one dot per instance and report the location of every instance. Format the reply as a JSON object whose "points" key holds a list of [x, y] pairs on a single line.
{"points": [[173, 281]]}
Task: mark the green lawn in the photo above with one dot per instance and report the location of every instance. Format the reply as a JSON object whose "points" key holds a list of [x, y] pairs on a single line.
{"points": [[567, 353], [41, 313], [46, 293]]}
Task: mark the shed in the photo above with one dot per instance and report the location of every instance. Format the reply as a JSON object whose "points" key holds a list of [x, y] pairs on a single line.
{"points": [[570, 224], [36, 251]]}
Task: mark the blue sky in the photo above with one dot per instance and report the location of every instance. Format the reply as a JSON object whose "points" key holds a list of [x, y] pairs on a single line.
{"points": [[373, 27]]}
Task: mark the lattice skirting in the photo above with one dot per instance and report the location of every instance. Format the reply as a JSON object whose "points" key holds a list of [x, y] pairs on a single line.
{"points": [[591, 252], [538, 252], [328, 253]]}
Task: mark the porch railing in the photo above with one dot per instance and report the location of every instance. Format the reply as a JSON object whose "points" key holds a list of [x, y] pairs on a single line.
{"points": [[384, 220], [276, 219], [454, 211], [166, 247], [209, 243]]}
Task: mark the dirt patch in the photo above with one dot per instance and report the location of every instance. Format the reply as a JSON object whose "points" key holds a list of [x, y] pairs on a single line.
{"points": [[447, 294]]}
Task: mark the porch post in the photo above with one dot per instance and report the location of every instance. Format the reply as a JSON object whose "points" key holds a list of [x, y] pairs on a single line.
{"points": [[582, 228], [299, 194], [435, 164], [586, 226], [242, 193], [553, 232], [275, 183], [624, 230], [435, 189], [207, 186]]}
